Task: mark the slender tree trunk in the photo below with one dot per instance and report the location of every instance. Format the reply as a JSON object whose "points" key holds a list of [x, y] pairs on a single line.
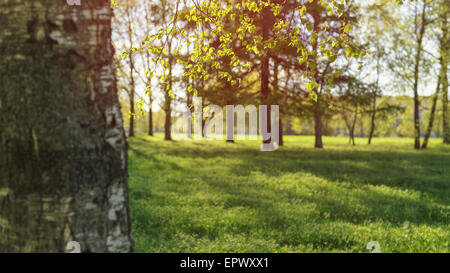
{"points": [[281, 133], [167, 125], [266, 24], [280, 97], [355, 120], [351, 139], [416, 78], [433, 110], [444, 59], [372, 118], [132, 85], [189, 104], [353, 126], [350, 128], [373, 109], [63, 152], [168, 104], [132, 102], [189, 99], [318, 108], [373, 113], [229, 99], [265, 91], [349, 133], [445, 116], [318, 125], [416, 112], [147, 61], [150, 119]]}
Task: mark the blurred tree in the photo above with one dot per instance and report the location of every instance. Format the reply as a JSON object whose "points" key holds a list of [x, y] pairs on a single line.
{"points": [[409, 37], [326, 64], [353, 100], [163, 12], [433, 111], [375, 21], [444, 42], [125, 26]]}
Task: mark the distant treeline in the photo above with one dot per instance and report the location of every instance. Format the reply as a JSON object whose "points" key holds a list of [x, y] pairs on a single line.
{"points": [[395, 123]]}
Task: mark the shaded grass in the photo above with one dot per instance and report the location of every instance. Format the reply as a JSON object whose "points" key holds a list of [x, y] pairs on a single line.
{"points": [[209, 196]]}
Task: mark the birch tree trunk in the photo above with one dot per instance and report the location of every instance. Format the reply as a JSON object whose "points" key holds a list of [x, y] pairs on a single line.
{"points": [[63, 152], [128, 7]]}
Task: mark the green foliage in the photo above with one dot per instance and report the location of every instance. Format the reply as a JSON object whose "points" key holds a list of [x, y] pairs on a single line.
{"points": [[311, 40], [217, 197]]}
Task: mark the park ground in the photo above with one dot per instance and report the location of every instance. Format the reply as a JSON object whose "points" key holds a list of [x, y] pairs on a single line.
{"points": [[211, 196]]}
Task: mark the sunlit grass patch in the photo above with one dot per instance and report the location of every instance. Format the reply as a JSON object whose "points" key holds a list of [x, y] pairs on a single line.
{"points": [[212, 196]]}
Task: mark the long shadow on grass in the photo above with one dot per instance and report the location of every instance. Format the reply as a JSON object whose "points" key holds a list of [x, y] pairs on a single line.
{"points": [[280, 209], [365, 205], [424, 172], [151, 158]]}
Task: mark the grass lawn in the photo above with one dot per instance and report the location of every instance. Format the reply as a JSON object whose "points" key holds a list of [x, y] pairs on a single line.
{"points": [[209, 196]]}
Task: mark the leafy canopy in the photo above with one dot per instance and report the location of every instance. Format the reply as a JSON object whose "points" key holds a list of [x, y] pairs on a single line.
{"points": [[310, 41]]}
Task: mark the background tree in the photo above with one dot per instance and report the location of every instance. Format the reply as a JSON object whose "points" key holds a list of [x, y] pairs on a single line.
{"points": [[353, 101], [433, 111], [372, 30], [163, 13], [324, 63], [125, 27], [147, 65], [444, 43], [408, 51]]}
